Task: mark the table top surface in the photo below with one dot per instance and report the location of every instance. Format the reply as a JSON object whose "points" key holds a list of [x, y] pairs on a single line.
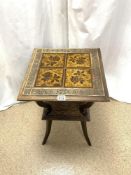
{"points": [[65, 75]]}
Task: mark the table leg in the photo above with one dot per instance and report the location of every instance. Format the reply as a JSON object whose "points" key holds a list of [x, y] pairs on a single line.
{"points": [[48, 129], [47, 109], [84, 128]]}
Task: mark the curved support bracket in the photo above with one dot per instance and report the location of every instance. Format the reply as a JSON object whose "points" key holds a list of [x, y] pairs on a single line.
{"points": [[84, 109], [45, 105]]}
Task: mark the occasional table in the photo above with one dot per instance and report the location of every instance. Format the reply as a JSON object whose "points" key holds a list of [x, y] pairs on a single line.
{"points": [[66, 83]]}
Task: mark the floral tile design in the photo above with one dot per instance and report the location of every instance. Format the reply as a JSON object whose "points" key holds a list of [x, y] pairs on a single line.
{"points": [[52, 60], [78, 60], [79, 78], [49, 77], [64, 70]]}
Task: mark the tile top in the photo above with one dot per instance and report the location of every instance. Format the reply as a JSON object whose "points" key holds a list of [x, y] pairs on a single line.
{"points": [[76, 73], [64, 70]]}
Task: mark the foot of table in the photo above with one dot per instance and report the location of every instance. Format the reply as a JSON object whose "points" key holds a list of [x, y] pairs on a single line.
{"points": [[84, 128], [48, 129]]}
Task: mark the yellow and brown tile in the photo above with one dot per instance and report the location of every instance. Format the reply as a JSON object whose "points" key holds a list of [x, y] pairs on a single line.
{"points": [[78, 60], [49, 77], [52, 60], [80, 78]]}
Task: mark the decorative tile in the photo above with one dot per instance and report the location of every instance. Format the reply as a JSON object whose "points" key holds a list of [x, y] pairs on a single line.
{"points": [[78, 78], [78, 60], [52, 60], [49, 77]]}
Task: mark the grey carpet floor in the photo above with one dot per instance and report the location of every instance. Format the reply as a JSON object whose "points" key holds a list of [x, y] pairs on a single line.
{"points": [[66, 152]]}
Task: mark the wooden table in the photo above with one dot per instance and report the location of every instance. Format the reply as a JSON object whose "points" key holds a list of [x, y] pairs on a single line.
{"points": [[66, 83]]}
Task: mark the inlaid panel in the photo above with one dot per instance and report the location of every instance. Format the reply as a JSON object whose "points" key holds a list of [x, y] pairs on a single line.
{"points": [[76, 74], [64, 70]]}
